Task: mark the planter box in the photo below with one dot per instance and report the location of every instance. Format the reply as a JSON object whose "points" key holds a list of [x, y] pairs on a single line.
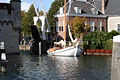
{"points": [[98, 51]]}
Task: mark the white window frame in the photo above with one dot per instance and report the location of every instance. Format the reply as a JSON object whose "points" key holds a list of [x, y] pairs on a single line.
{"points": [[77, 9], [61, 10], [118, 27], [57, 26], [100, 26], [94, 11], [92, 26]]}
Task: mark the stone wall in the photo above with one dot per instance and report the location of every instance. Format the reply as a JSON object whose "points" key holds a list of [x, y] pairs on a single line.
{"points": [[9, 26], [115, 67], [10, 37]]}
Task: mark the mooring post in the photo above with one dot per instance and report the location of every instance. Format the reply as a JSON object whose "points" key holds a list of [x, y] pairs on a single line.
{"points": [[40, 48], [2, 57], [115, 69]]}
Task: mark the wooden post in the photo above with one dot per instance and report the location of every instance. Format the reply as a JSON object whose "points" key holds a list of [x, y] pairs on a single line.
{"points": [[65, 23], [115, 68], [40, 48]]}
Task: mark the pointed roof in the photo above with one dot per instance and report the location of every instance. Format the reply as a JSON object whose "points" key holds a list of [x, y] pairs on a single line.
{"points": [[83, 5]]}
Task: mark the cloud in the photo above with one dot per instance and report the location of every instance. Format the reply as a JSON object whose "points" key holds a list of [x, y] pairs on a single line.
{"points": [[4, 1], [25, 6]]}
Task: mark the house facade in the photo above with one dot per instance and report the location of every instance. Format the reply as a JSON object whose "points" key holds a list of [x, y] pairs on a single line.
{"points": [[114, 23], [112, 9], [10, 23], [81, 8]]}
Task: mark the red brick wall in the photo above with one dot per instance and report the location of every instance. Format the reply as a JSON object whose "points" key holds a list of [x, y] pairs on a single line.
{"points": [[88, 19]]}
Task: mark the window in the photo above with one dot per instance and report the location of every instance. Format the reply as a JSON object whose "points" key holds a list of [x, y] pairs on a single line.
{"points": [[118, 27], [100, 26], [63, 25], [85, 25], [57, 26], [77, 9], [61, 28], [92, 24], [61, 10], [94, 11]]}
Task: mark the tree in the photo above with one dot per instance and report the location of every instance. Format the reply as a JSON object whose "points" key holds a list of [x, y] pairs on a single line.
{"points": [[78, 26], [28, 20], [41, 13], [53, 10], [22, 14], [112, 33]]}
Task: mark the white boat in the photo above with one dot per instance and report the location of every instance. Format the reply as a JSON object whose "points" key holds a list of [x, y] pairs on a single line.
{"points": [[66, 51], [69, 51]]}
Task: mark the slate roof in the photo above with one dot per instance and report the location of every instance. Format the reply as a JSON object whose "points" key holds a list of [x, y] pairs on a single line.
{"points": [[98, 4], [84, 6], [112, 7]]}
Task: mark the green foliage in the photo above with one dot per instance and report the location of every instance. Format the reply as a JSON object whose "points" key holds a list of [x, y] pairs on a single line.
{"points": [[41, 13], [53, 10], [112, 33], [99, 40], [108, 44], [78, 26], [95, 40], [28, 20]]}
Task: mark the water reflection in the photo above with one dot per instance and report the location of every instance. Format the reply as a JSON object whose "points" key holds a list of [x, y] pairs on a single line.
{"points": [[31, 67]]}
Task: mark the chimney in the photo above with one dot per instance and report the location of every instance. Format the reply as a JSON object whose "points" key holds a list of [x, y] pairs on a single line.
{"points": [[103, 6]]}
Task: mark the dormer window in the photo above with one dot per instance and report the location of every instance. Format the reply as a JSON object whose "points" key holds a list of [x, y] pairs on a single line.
{"points": [[94, 11], [77, 9], [61, 10]]}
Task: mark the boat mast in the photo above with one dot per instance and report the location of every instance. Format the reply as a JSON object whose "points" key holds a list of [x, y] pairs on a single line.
{"points": [[65, 23]]}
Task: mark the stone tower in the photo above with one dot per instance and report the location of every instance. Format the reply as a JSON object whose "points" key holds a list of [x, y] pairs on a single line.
{"points": [[10, 23], [16, 5]]}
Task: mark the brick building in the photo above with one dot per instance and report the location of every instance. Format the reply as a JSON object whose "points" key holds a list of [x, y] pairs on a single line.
{"points": [[81, 8]]}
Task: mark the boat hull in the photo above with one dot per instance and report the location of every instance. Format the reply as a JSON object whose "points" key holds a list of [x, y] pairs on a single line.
{"points": [[69, 51]]}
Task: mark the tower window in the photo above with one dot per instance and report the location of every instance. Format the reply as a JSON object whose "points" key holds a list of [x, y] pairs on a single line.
{"points": [[9, 11]]}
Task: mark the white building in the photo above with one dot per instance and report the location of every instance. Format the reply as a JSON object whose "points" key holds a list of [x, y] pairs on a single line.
{"points": [[114, 23]]}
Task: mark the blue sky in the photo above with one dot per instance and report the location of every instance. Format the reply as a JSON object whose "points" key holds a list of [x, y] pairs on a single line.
{"points": [[26, 4]]}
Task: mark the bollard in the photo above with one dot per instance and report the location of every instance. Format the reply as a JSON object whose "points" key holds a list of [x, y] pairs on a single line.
{"points": [[3, 57], [40, 48], [3, 69], [115, 67]]}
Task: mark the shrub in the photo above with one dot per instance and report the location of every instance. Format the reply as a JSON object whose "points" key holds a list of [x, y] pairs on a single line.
{"points": [[108, 44], [111, 34]]}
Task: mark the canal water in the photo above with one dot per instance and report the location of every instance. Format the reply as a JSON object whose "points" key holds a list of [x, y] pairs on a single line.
{"points": [[31, 67]]}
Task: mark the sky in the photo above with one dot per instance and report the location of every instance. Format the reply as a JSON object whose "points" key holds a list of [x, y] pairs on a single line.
{"points": [[25, 4]]}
